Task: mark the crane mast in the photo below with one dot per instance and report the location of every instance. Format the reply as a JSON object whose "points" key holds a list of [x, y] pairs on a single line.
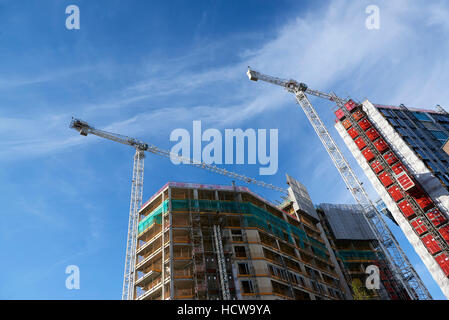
{"points": [[131, 241], [387, 242], [137, 189]]}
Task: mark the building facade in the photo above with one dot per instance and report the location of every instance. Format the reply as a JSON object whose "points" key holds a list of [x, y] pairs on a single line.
{"points": [[400, 151], [357, 250], [225, 242]]}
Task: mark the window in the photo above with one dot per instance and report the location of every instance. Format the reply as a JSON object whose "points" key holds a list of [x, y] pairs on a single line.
{"points": [[314, 285], [313, 273], [296, 279], [401, 122], [408, 123], [438, 134], [431, 165], [321, 288], [385, 112], [247, 286], [243, 268], [393, 122], [441, 117], [293, 278], [240, 251], [411, 141], [421, 153], [421, 116], [443, 178], [283, 274], [402, 132], [236, 235]]}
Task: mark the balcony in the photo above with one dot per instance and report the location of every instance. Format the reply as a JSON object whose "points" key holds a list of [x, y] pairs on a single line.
{"points": [[181, 239], [144, 261], [150, 273], [150, 232], [182, 253], [186, 293], [144, 244], [182, 274], [149, 289]]}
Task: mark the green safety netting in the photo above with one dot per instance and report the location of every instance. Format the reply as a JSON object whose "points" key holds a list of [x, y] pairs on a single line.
{"points": [[154, 216], [346, 255], [255, 217]]}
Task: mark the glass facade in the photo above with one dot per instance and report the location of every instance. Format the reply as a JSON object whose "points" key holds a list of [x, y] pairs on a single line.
{"points": [[425, 133]]}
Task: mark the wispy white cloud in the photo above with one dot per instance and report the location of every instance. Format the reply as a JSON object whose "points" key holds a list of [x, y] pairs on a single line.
{"points": [[12, 81], [329, 48], [322, 48]]}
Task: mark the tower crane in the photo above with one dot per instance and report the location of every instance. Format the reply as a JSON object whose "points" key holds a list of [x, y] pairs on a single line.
{"points": [[137, 189], [387, 242]]}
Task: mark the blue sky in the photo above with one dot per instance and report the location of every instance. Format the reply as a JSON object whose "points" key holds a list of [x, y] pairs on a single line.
{"points": [[145, 68]]}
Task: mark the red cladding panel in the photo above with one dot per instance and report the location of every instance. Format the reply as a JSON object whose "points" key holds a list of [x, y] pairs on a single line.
{"points": [[340, 114], [364, 124], [385, 179], [422, 200], [390, 157], [350, 105], [405, 181], [431, 244], [398, 168], [443, 261], [368, 154], [436, 217], [380, 145], [403, 178], [444, 231], [359, 114], [346, 123], [372, 134], [395, 193], [353, 133], [376, 166], [419, 226], [406, 209], [360, 143]]}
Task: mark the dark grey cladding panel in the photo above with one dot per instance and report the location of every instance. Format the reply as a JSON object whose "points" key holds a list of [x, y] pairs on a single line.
{"points": [[347, 221], [300, 197]]}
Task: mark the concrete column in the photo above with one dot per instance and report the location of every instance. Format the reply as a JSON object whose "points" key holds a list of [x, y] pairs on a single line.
{"points": [[170, 217], [163, 248]]}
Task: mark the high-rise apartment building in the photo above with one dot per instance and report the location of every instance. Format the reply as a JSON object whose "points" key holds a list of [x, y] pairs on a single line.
{"points": [[400, 151], [225, 242], [357, 249]]}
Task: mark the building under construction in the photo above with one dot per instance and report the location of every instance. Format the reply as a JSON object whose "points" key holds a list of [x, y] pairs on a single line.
{"points": [[399, 150], [162, 247], [355, 247], [225, 242]]}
